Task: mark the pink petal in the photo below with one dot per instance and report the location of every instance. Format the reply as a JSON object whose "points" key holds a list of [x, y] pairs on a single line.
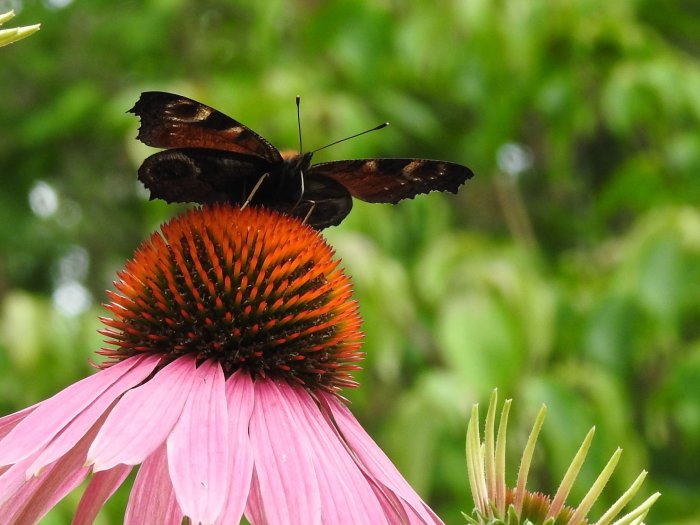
{"points": [[254, 509], [38, 495], [47, 420], [13, 478], [10, 421], [144, 416], [392, 505], [240, 400], [99, 490], [375, 464], [283, 462], [77, 428], [198, 448], [346, 496], [152, 498]]}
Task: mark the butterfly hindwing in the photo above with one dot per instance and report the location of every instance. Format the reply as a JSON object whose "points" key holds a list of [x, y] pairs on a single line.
{"points": [[200, 175], [174, 121], [327, 199], [206, 176], [391, 180]]}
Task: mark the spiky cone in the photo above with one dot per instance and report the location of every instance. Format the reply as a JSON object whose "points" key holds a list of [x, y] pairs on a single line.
{"points": [[231, 335], [270, 301], [497, 504]]}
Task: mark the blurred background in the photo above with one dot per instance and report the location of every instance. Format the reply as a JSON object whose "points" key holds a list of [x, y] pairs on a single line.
{"points": [[566, 272]]}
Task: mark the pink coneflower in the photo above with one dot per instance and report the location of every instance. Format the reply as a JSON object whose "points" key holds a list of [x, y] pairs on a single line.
{"points": [[231, 335]]}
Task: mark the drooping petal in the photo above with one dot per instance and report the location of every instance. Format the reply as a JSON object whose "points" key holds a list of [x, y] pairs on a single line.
{"points": [[240, 400], [283, 463], [10, 421], [152, 498], [101, 487], [198, 448], [142, 419], [53, 414], [391, 505], [13, 478], [39, 494], [87, 418], [375, 463], [346, 496], [254, 509]]}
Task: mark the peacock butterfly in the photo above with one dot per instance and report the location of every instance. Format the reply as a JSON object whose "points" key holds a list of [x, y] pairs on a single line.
{"points": [[214, 158]]}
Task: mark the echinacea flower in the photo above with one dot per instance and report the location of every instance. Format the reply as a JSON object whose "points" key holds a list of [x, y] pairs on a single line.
{"points": [[497, 504], [232, 333], [8, 36]]}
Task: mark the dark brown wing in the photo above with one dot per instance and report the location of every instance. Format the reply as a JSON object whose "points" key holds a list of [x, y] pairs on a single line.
{"points": [[206, 176], [201, 175], [391, 180], [174, 121], [328, 201]]}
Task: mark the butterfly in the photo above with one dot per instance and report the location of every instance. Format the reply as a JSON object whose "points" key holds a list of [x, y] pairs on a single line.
{"points": [[214, 158]]}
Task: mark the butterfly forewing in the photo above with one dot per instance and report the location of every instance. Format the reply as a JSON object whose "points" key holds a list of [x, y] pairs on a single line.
{"points": [[391, 180], [174, 121]]}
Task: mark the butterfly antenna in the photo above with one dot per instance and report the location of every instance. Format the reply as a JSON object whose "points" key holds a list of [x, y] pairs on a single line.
{"points": [[383, 125], [301, 150]]}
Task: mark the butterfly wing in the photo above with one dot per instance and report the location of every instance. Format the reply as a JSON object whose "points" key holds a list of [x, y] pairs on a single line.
{"points": [[207, 176], [327, 200], [174, 121], [201, 175], [391, 180]]}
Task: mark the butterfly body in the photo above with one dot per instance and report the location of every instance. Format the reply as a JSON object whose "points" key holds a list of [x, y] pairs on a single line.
{"points": [[214, 158]]}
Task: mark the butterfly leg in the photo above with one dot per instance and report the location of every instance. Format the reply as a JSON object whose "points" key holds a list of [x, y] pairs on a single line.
{"points": [[311, 209], [301, 194], [254, 190]]}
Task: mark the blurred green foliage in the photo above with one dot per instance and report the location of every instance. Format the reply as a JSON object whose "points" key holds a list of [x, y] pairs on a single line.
{"points": [[566, 272]]}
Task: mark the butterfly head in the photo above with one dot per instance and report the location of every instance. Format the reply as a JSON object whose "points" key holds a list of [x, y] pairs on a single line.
{"points": [[295, 163]]}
